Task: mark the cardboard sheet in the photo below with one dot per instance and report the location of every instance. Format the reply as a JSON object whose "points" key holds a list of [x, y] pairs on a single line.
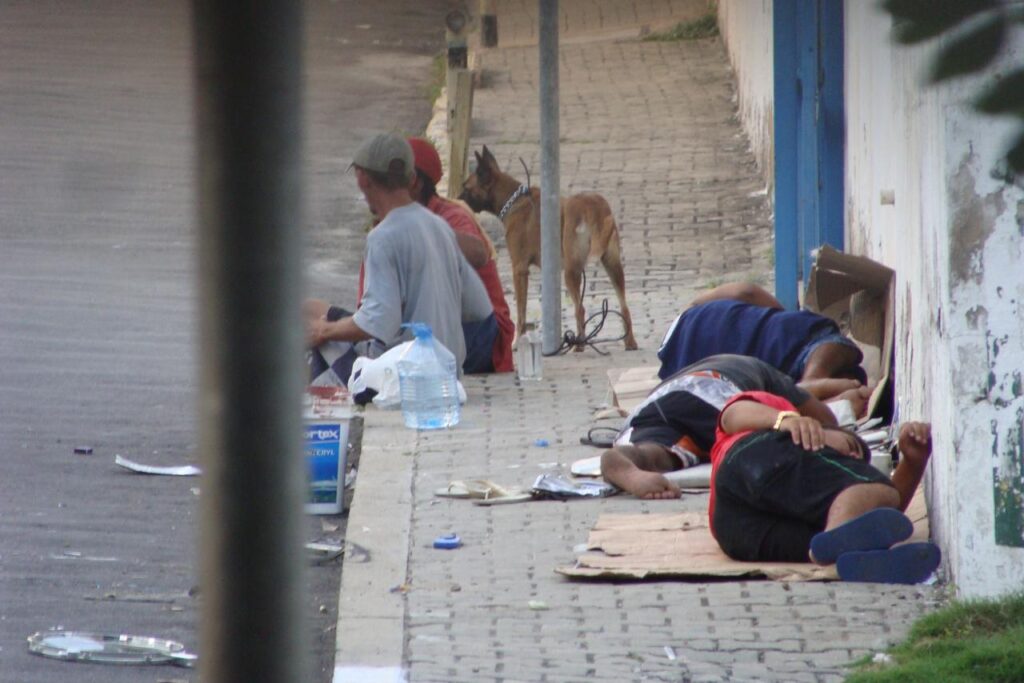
{"points": [[630, 386], [680, 546]]}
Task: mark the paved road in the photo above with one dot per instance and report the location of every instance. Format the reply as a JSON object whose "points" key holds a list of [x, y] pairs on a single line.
{"points": [[97, 310]]}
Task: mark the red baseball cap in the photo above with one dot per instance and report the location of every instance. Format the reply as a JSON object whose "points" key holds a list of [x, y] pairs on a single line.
{"points": [[426, 159]]}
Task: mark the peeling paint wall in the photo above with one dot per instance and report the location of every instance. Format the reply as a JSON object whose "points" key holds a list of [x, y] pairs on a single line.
{"points": [[921, 198], [746, 28]]}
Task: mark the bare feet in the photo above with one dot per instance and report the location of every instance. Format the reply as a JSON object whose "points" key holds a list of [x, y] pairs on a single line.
{"points": [[651, 486], [619, 470]]}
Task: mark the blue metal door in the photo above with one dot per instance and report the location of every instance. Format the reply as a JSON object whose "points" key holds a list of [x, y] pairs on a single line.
{"points": [[810, 134]]}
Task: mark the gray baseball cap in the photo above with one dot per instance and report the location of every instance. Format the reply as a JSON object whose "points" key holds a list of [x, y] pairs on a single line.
{"points": [[386, 153]]}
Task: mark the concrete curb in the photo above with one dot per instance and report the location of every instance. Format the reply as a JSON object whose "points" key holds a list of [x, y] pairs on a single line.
{"points": [[370, 637]]}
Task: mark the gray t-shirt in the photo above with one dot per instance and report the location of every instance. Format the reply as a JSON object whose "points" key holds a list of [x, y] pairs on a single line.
{"points": [[415, 272]]}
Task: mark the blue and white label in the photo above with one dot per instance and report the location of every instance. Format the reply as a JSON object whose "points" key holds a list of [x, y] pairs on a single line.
{"points": [[326, 445]]}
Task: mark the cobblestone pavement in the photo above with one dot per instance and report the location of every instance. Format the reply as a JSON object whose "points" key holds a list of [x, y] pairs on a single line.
{"points": [[652, 126]]}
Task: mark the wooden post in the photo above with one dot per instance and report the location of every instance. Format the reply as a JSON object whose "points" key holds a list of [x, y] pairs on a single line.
{"points": [[460, 114], [455, 36]]}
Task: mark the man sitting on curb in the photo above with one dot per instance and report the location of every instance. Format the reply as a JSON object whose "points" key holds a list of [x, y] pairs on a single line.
{"points": [[786, 489], [745, 319], [488, 342], [674, 427], [414, 272]]}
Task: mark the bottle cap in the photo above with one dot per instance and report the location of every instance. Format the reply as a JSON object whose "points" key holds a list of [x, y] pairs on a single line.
{"points": [[448, 542]]}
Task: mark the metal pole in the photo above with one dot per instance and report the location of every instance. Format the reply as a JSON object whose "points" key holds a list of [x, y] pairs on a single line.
{"points": [[550, 210], [248, 126]]}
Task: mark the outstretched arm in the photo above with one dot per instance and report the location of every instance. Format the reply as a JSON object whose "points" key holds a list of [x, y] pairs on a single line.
{"points": [[915, 444]]}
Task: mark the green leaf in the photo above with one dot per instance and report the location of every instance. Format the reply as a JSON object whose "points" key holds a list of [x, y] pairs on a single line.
{"points": [[970, 52], [1004, 96], [918, 20]]}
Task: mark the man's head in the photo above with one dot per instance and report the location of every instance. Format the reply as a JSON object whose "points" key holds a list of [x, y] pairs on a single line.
{"points": [[428, 169], [386, 160]]}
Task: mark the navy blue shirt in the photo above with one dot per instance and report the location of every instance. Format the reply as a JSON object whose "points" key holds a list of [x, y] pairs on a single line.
{"points": [[773, 335]]}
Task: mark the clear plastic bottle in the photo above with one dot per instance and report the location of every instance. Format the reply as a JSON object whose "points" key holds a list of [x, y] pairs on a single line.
{"points": [[428, 382]]}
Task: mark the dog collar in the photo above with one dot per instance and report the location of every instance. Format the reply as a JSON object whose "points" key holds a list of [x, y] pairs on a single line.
{"points": [[520, 192]]}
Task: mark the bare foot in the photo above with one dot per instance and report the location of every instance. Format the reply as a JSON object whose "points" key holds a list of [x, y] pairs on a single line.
{"points": [[618, 469], [651, 486]]}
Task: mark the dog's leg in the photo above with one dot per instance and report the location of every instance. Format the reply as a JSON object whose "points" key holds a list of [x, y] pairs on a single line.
{"points": [[520, 285], [612, 262], [573, 282]]}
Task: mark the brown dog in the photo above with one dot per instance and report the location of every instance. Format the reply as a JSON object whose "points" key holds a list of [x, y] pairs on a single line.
{"points": [[588, 229]]}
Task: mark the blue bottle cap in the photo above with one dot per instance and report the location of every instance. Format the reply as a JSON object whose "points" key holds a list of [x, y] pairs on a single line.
{"points": [[448, 542]]}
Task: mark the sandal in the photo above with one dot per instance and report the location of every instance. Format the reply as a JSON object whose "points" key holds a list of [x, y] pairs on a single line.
{"points": [[482, 491]]}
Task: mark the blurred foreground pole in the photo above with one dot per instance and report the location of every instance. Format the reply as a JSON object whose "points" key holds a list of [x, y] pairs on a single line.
{"points": [[248, 126], [550, 209]]}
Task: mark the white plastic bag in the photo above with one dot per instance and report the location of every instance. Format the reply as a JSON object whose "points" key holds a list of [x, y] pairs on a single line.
{"points": [[381, 375]]}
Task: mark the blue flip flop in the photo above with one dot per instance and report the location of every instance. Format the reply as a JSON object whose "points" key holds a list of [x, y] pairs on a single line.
{"points": [[908, 563], [874, 530]]}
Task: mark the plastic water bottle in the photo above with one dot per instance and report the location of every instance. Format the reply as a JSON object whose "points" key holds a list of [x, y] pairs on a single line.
{"points": [[428, 382]]}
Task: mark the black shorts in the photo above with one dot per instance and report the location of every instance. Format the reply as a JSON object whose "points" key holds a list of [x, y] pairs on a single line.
{"points": [[772, 496], [673, 416]]}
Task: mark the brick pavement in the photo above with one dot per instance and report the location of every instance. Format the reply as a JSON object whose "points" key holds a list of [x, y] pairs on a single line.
{"points": [[653, 127]]}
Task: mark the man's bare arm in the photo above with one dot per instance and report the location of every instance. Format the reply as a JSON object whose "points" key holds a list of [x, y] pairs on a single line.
{"points": [[345, 329], [473, 248], [915, 444]]}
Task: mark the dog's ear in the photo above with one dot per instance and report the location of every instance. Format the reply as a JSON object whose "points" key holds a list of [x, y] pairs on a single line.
{"points": [[484, 172], [489, 158]]}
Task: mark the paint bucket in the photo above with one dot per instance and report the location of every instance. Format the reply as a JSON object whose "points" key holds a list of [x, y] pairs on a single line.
{"points": [[326, 454]]}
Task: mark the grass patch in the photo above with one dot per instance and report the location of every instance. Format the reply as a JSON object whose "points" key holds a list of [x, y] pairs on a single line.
{"points": [[967, 641], [438, 76], [704, 27]]}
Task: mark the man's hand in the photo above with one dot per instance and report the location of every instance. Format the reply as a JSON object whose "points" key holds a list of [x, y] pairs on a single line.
{"points": [[858, 398], [317, 332], [806, 431], [915, 442]]}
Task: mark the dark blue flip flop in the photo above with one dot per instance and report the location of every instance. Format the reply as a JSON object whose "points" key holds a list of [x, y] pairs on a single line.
{"points": [[874, 530], [908, 563]]}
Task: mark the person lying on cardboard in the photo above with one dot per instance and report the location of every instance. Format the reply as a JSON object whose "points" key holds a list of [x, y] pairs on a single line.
{"points": [[745, 319], [785, 488], [674, 427]]}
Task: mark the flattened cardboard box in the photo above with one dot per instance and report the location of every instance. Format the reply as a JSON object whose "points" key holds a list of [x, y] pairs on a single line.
{"points": [[859, 294], [680, 546]]}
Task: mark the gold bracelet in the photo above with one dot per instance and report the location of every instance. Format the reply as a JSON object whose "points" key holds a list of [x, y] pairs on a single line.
{"points": [[783, 414]]}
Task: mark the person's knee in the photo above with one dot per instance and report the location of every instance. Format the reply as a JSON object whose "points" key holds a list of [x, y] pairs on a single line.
{"points": [[314, 308], [865, 497]]}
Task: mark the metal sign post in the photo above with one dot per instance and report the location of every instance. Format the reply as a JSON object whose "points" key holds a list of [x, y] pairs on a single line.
{"points": [[248, 126], [550, 209]]}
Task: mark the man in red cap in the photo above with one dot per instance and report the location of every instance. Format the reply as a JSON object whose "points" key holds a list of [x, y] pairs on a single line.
{"points": [[488, 342]]}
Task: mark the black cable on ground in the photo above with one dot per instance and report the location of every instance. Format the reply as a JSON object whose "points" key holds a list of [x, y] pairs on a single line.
{"points": [[570, 340]]}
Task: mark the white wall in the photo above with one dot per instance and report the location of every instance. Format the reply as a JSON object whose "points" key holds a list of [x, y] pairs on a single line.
{"points": [[920, 198], [746, 28]]}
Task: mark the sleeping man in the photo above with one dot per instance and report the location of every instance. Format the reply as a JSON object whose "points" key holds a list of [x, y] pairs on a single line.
{"points": [[785, 488]]}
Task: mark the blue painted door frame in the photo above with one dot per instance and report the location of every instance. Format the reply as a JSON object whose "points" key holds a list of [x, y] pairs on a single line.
{"points": [[810, 135]]}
